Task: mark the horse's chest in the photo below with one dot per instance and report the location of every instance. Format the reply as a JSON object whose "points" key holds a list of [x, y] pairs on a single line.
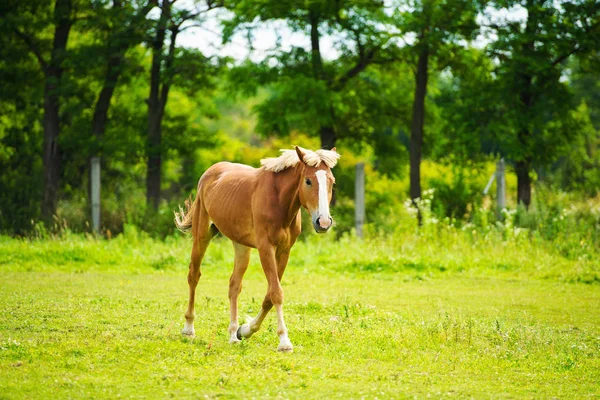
{"points": [[291, 233]]}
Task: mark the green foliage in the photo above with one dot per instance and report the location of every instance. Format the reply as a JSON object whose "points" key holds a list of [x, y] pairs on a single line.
{"points": [[20, 130], [463, 133], [454, 199], [20, 180], [438, 25], [533, 119], [577, 170], [308, 92], [224, 110]]}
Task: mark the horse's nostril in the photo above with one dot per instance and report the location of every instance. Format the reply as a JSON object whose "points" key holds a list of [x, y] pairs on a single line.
{"points": [[322, 225]]}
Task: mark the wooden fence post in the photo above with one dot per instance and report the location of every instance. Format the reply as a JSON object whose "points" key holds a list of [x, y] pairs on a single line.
{"points": [[359, 199], [95, 193], [500, 187]]}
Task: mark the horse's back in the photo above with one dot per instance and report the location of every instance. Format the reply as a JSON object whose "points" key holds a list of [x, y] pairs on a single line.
{"points": [[225, 167]]}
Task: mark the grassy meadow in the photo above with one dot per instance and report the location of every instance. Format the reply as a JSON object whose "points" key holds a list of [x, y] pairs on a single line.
{"points": [[401, 316]]}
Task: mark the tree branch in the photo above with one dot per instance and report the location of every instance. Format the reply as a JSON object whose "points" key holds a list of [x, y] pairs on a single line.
{"points": [[147, 7], [577, 48], [186, 17], [189, 26], [210, 5], [363, 62], [513, 27], [33, 48], [563, 57], [177, 25], [168, 68]]}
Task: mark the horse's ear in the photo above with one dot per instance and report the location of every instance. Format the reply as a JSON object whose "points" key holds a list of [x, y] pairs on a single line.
{"points": [[334, 150], [300, 154]]}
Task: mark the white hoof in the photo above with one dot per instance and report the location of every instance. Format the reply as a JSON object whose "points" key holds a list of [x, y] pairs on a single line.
{"points": [[244, 332], [190, 334], [285, 347], [188, 330], [234, 338]]}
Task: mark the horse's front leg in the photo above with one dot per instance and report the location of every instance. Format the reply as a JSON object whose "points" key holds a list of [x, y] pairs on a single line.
{"points": [[240, 265], [284, 341], [273, 268]]}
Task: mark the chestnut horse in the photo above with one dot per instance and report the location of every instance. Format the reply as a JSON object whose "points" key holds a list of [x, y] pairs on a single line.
{"points": [[257, 208]]}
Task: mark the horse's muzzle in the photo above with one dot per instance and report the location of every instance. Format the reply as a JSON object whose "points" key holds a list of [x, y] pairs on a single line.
{"points": [[322, 226]]}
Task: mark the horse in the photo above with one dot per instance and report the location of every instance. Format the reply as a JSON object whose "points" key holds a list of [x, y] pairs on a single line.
{"points": [[257, 208]]}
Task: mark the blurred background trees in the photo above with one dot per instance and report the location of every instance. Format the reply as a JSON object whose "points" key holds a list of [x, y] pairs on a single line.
{"points": [[428, 93]]}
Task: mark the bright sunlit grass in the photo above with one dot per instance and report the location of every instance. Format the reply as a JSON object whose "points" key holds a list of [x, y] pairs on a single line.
{"points": [[386, 318]]}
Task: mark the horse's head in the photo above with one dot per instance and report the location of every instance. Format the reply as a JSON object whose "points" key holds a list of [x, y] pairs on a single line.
{"points": [[316, 187]]}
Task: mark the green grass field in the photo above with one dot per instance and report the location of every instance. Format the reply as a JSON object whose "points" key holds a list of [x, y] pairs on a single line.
{"points": [[398, 318]]}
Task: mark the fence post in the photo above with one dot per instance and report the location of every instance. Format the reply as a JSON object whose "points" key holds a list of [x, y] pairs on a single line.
{"points": [[95, 193], [359, 199], [500, 187]]}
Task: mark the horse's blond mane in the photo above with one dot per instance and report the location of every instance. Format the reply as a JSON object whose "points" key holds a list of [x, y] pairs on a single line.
{"points": [[289, 158]]}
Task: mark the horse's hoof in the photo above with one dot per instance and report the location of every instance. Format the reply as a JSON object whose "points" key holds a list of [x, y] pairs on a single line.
{"points": [[188, 331], [244, 332], [285, 348], [235, 337]]}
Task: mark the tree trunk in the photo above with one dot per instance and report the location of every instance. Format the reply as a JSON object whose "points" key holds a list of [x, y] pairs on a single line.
{"points": [[155, 111], [116, 54], [153, 175], [418, 120], [53, 74], [317, 63], [527, 99], [522, 169], [326, 132], [328, 137], [523, 166], [51, 151]]}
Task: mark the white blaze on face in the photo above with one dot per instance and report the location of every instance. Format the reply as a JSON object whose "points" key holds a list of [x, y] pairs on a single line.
{"points": [[323, 196]]}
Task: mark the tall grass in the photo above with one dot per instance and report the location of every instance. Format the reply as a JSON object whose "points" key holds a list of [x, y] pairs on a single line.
{"points": [[562, 247]]}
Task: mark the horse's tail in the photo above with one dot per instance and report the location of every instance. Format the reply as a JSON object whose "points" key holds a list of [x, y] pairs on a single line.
{"points": [[184, 217]]}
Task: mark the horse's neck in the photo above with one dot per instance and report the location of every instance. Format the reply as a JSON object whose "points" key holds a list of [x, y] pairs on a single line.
{"points": [[287, 183]]}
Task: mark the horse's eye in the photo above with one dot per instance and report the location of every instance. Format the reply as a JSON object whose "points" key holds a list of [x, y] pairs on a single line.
{"points": [[308, 182]]}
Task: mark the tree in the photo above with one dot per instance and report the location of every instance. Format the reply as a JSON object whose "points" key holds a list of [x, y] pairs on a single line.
{"points": [[26, 21], [438, 28], [307, 91], [164, 68], [21, 134], [533, 99]]}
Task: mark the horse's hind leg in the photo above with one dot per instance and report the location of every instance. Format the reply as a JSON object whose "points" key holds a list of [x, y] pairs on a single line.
{"points": [[203, 233], [240, 265]]}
